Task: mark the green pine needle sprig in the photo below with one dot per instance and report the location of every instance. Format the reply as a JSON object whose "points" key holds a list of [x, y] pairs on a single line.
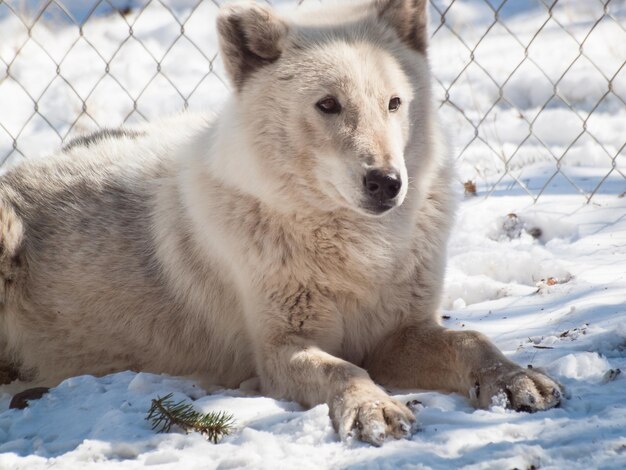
{"points": [[164, 414]]}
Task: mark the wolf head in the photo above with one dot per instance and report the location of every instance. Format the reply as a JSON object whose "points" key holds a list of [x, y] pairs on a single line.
{"points": [[333, 101]]}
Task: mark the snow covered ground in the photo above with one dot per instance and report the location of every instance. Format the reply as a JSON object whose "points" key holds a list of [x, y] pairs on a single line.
{"points": [[546, 281]]}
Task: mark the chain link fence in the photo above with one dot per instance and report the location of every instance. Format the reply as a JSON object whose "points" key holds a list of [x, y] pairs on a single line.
{"points": [[531, 93]]}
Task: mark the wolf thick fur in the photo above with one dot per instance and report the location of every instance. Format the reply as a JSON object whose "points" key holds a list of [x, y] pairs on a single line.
{"points": [[251, 245]]}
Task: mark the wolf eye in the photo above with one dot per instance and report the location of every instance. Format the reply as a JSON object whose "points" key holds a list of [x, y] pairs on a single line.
{"points": [[329, 105], [394, 104]]}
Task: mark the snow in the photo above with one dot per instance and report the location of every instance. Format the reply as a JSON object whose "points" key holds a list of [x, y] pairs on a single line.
{"points": [[546, 280]]}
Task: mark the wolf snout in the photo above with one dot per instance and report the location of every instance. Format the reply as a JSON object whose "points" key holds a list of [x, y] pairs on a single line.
{"points": [[382, 186]]}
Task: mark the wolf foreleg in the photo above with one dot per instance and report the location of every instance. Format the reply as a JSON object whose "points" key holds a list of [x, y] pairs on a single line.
{"points": [[434, 358], [357, 406]]}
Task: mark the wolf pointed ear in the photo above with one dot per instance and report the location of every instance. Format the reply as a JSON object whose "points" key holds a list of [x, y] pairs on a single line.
{"points": [[409, 18], [250, 36]]}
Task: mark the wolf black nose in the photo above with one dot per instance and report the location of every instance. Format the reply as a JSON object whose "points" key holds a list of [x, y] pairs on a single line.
{"points": [[382, 185]]}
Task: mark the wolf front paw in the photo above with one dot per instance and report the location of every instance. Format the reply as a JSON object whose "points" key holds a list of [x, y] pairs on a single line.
{"points": [[370, 415], [522, 390]]}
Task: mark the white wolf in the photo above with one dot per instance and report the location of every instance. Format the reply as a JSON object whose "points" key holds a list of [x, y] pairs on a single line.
{"points": [[299, 237]]}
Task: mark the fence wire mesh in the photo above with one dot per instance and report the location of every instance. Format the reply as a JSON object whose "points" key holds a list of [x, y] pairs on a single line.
{"points": [[532, 93]]}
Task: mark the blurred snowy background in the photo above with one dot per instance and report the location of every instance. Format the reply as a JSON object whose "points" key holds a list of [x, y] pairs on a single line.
{"points": [[532, 94]]}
